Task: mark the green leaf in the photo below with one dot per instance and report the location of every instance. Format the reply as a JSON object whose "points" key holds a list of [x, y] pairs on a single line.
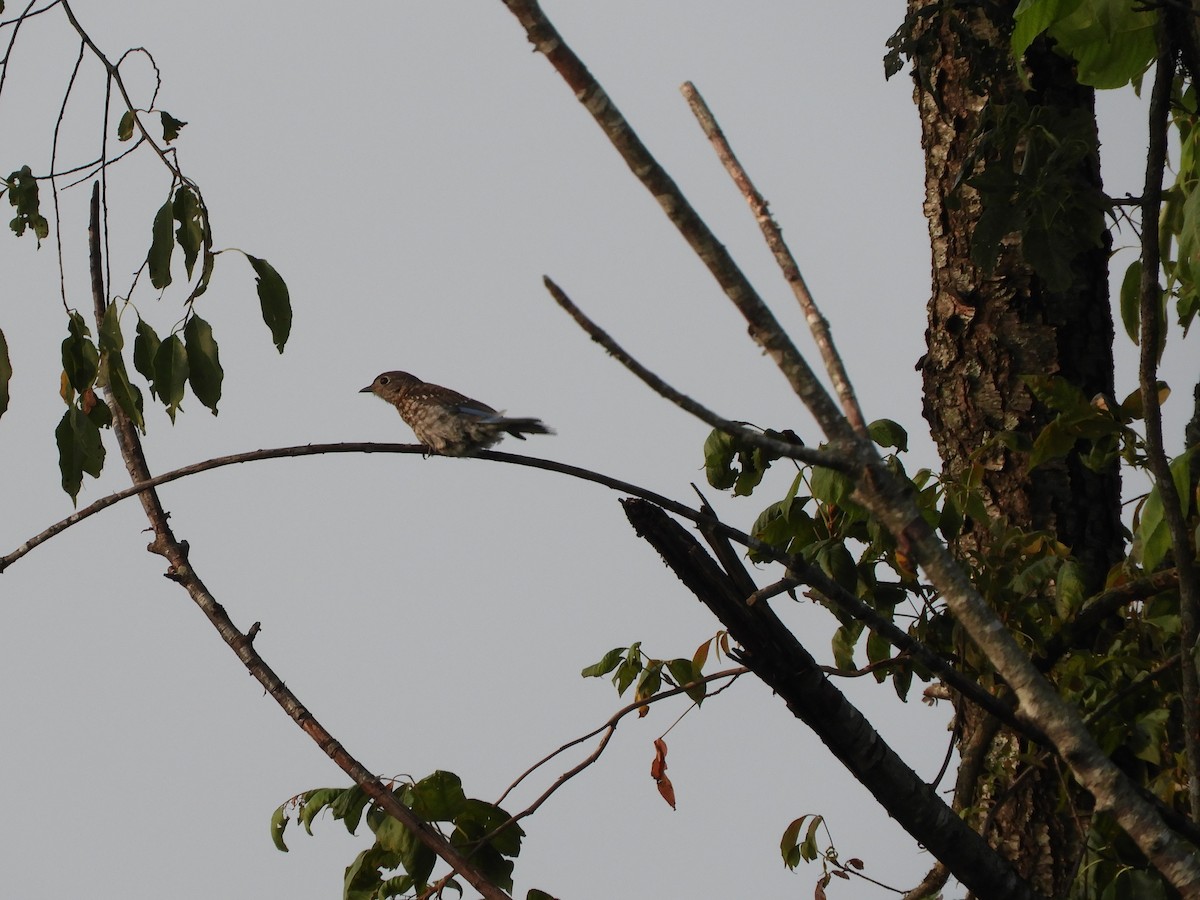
{"points": [[80, 449], [833, 487], [1153, 531], [438, 797], [685, 673], [887, 433], [170, 126], [1131, 300], [607, 663], [1069, 591], [650, 681], [808, 849], [349, 807], [125, 126], [1032, 17], [279, 821], [171, 373], [479, 819], [718, 460], [23, 195], [274, 299], [162, 243], [145, 348], [312, 802], [127, 395], [204, 365], [80, 358], [1111, 41], [110, 331], [187, 211], [5, 374]]}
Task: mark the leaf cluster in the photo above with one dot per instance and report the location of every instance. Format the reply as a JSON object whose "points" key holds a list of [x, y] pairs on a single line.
{"points": [[629, 665], [397, 863]]}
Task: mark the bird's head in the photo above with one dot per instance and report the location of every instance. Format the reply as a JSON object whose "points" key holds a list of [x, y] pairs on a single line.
{"points": [[390, 385]]}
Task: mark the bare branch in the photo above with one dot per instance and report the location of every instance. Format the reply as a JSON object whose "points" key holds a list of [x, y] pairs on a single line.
{"points": [[687, 404], [608, 728], [817, 323], [763, 326]]}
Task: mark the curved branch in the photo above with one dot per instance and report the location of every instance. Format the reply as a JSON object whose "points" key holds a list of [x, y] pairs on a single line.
{"points": [[610, 727], [801, 571]]}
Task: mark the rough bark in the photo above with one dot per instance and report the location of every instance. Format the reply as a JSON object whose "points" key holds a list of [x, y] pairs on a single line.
{"points": [[986, 330]]}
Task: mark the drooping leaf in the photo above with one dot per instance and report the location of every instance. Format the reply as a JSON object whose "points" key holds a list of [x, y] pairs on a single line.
{"points": [[204, 365], [658, 771], [274, 299], [171, 373], [436, 798], [887, 433], [1131, 301], [127, 394], [162, 243], [80, 358], [110, 331], [23, 195], [80, 449], [190, 235], [279, 822], [170, 126], [1152, 530], [125, 126], [145, 348], [607, 663], [5, 374]]}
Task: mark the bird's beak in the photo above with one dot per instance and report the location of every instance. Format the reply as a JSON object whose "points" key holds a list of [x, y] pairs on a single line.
{"points": [[367, 389]]}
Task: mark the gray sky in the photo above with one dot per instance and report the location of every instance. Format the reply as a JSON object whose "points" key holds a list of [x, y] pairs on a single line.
{"points": [[412, 170]]}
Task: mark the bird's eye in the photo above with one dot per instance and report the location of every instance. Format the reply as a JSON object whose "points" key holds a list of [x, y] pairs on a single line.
{"points": [[383, 379]]}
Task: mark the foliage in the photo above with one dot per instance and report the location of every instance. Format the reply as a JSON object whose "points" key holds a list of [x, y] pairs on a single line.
{"points": [[476, 827], [188, 356]]}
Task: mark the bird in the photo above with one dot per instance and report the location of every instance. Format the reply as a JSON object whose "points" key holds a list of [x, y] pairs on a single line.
{"points": [[447, 422]]}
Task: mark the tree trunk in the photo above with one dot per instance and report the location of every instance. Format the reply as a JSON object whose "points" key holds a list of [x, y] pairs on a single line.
{"points": [[988, 329]]}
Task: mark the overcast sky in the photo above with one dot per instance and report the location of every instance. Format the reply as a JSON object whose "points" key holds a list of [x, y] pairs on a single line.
{"points": [[413, 170]]}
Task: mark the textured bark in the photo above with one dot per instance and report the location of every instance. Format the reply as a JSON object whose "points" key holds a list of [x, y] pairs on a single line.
{"points": [[985, 331]]}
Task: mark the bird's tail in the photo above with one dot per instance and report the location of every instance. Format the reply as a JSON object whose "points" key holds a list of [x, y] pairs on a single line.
{"points": [[518, 428]]}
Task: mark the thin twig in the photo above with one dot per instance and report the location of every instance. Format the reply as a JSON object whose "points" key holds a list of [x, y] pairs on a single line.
{"points": [[608, 728], [782, 448], [817, 323], [1150, 339]]}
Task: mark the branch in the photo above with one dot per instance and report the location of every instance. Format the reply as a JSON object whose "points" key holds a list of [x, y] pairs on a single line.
{"points": [[687, 404], [888, 498], [775, 655], [817, 323], [1150, 340], [181, 571], [763, 326], [609, 728]]}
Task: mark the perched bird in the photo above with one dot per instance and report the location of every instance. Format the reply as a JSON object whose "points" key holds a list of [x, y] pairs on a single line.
{"points": [[446, 421]]}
